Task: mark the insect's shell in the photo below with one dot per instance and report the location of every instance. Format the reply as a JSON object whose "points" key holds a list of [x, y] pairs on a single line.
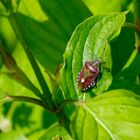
{"points": [[88, 75]]}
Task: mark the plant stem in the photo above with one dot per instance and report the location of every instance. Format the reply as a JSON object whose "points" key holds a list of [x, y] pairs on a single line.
{"points": [[11, 110], [130, 25], [24, 99], [137, 23], [46, 93]]}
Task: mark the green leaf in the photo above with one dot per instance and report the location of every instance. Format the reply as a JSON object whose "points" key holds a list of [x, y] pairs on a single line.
{"points": [[104, 6], [128, 78], [26, 118], [10, 86], [132, 67], [123, 46], [12, 136], [6, 32], [114, 115], [90, 41], [124, 84], [55, 132], [16, 73], [7, 4], [48, 38], [32, 9]]}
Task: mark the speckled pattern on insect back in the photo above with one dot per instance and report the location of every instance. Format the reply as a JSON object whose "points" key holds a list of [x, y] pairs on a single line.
{"points": [[88, 75]]}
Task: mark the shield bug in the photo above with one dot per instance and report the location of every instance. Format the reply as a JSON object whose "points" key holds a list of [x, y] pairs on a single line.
{"points": [[88, 75]]}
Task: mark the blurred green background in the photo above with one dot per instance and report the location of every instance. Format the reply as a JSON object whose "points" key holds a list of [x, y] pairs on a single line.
{"points": [[47, 25]]}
